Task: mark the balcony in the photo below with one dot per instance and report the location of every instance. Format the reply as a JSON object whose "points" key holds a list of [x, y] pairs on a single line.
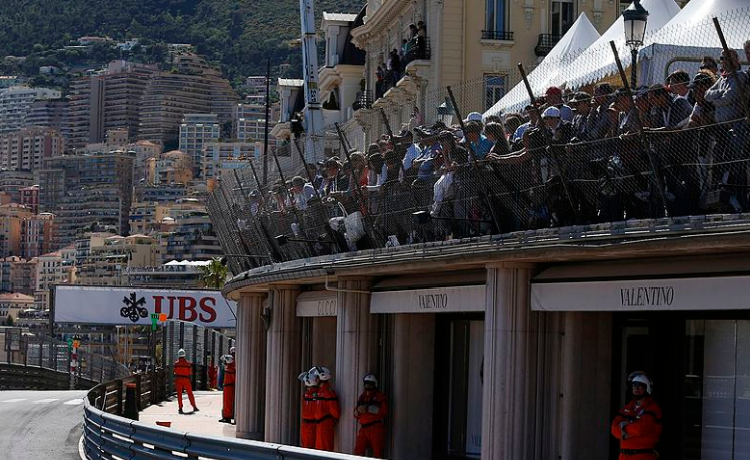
{"points": [[499, 35], [363, 101], [545, 44]]}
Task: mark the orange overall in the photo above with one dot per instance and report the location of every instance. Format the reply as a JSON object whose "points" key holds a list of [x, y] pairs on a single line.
{"points": [[230, 374], [643, 431], [309, 422], [212, 374], [371, 432], [183, 369], [327, 414]]}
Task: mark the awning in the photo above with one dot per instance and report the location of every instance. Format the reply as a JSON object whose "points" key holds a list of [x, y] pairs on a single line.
{"points": [[434, 300], [317, 304]]}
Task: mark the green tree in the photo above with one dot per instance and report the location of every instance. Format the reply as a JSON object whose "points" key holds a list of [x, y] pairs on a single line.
{"points": [[9, 321], [214, 275]]}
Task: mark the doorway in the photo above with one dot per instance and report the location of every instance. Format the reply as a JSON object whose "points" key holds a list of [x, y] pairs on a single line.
{"points": [[459, 360]]}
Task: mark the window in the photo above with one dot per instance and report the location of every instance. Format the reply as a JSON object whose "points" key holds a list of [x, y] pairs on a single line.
{"points": [[563, 16], [494, 89], [496, 16]]}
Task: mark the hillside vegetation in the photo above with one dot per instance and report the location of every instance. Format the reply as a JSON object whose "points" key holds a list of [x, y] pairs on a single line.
{"points": [[238, 35]]}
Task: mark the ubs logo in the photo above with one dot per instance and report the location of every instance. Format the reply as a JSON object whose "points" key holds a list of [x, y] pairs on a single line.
{"points": [[134, 308]]}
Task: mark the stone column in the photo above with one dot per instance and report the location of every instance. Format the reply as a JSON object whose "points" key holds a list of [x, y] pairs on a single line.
{"points": [[521, 374], [283, 365], [251, 367], [356, 353]]}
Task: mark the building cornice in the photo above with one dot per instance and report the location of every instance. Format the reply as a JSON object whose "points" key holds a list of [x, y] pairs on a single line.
{"points": [[660, 238], [379, 22]]}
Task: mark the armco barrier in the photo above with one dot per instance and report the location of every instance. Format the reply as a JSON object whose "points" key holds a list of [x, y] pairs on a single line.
{"points": [[108, 436]]}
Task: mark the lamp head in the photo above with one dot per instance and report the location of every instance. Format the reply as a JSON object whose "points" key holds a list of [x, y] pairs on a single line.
{"points": [[634, 19]]}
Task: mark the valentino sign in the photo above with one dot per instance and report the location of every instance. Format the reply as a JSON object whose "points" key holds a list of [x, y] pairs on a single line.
{"points": [[127, 305], [698, 293]]}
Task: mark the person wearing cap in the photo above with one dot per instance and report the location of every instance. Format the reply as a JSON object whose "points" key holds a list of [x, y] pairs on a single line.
{"points": [[474, 116], [638, 425], [668, 112], [553, 96], [412, 152], [703, 111], [183, 371], [302, 191], [533, 115], [370, 412], [677, 83], [335, 182], [582, 123], [230, 372], [725, 93], [476, 143], [726, 97], [560, 130], [709, 63]]}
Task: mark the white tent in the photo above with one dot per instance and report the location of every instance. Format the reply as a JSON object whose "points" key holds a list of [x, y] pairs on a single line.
{"points": [[579, 37], [690, 35], [598, 61]]}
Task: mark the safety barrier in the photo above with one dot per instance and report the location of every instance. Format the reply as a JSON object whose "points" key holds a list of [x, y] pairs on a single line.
{"points": [[107, 436], [20, 377]]}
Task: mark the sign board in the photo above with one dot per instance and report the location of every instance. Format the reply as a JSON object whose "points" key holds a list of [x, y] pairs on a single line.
{"points": [[317, 304], [436, 300], [131, 305], [671, 294]]}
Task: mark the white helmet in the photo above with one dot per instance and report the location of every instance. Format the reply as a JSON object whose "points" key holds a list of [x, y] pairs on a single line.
{"points": [[232, 351], [370, 378], [229, 359], [180, 353], [323, 373], [641, 377], [310, 379]]}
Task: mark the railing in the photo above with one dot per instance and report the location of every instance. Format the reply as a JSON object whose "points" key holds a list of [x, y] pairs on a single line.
{"points": [[107, 435], [18, 377], [42, 351], [546, 43], [540, 186], [363, 101], [497, 35]]}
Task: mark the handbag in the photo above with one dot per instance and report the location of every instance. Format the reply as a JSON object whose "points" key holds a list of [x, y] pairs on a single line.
{"points": [[354, 226]]}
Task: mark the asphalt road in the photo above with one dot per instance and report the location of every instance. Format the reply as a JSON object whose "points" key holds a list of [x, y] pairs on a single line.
{"points": [[40, 425]]}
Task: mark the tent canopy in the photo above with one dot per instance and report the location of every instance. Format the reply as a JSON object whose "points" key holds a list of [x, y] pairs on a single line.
{"points": [[598, 62], [579, 37]]}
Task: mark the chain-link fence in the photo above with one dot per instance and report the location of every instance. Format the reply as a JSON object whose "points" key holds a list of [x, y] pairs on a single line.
{"points": [[590, 149], [38, 349], [203, 347]]}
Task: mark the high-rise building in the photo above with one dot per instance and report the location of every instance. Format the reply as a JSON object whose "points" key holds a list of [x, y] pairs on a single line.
{"points": [[28, 148], [18, 275], [175, 167], [30, 198], [193, 88], [106, 101], [107, 263], [217, 155], [90, 191], [196, 130], [24, 233], [11, 183], [15, 103], [189, 233], [47, 113], [249, 122], [53, 268]]}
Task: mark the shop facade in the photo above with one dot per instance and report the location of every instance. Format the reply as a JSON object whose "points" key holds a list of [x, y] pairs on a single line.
{"points": [[499, 359]]}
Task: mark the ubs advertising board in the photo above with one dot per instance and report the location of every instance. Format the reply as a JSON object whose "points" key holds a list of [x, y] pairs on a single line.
{"points": [[132, 305]]}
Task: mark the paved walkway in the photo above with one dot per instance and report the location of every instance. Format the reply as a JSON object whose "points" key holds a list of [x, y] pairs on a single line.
{"points": [[204, 422]]}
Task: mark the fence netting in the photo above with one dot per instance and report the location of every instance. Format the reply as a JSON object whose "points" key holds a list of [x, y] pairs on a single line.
{"points": [[203, 347], [588, 148]]}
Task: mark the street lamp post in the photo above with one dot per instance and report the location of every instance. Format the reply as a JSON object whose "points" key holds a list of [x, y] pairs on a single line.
{"points": [[634, 19]]}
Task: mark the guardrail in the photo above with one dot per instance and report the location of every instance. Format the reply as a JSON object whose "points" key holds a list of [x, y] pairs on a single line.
{"points": [[20, 377], [107, 435]]}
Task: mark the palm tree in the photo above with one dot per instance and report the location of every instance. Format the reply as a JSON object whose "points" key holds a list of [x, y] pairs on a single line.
{"points": [[214, 275]]}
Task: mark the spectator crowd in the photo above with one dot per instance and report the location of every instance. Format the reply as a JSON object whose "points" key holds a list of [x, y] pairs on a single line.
{"points": [[611, 154]]}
